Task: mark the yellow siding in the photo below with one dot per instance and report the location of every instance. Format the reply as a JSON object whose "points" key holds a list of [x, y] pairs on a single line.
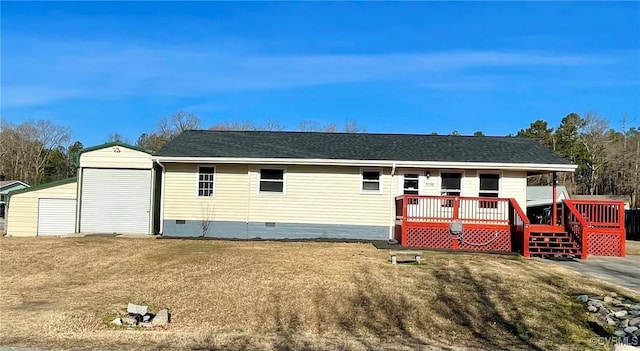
{"points": [[108, 158], [470, 183], [324, 195], [514, 184], [22, 215], [229, 202], [314, 194]]}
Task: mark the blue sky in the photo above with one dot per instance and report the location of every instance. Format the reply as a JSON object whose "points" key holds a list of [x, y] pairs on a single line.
{"points": [[411, 67]]}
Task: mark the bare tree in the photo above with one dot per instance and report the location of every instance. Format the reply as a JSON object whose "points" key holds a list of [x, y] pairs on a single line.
{"points": [[167, 129], [235, 125], [26, 148], [117, 137], [180, 121], [595, 139]]}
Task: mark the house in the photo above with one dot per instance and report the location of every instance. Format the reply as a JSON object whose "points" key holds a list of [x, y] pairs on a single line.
{"points": [[5, 187], [540, 198], [330, 185], [300, 185]]}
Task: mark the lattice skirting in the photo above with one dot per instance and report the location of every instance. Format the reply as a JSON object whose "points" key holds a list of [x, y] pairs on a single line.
{"points": [[437, 238], [487, 240], [474, 239], [602, 244]]}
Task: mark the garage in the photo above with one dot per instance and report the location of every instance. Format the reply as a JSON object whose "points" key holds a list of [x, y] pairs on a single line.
{"points": [[115, 201], [43, 210], [112, 193], [116, 182], [56, 216]]}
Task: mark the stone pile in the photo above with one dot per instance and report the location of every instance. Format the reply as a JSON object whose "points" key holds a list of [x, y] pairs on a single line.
{"points": [[138, 315], [620, 314]]}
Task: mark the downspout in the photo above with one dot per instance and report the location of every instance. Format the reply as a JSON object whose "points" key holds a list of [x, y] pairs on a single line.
{"points": [[248, 199], [392, 210], [162, 182]]}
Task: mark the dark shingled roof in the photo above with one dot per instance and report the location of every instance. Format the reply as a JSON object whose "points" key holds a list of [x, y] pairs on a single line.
{"points": [[358, 146]]}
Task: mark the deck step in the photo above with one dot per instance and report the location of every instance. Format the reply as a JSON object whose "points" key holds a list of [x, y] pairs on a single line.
{"points": [[553, 244]]}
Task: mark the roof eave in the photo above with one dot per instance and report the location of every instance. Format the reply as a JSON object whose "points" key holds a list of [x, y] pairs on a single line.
{"points": [[549, 167]]}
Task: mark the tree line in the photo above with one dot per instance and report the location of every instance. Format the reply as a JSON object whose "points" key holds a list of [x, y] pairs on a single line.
{"points": [[608, 159]]}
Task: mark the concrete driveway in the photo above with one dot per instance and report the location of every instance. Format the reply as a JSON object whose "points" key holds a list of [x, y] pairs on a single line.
{"points": [[623, 271]]}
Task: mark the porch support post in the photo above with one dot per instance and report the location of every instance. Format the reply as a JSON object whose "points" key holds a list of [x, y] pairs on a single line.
{"points": [[554, 211]]}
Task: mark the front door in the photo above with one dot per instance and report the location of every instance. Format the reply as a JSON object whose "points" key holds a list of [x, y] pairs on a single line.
{"points": [[410, 185]]}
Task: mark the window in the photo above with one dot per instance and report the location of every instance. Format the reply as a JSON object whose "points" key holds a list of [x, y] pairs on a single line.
{"points": [[451, 185], [411, 181], [370, 181], [272, 180], [489, 187], [206, 179]]}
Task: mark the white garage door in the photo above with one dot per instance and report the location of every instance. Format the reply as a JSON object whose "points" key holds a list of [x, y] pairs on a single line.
{"points": [[56, 216], [115, 201]]}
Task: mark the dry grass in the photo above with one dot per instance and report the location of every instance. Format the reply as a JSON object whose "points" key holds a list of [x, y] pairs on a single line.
{"points": [[633, 247], [264, 295]]}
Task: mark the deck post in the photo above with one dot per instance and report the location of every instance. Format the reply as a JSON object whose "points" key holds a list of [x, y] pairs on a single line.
{"points": [[405, 229], [455, 215], [554, 208], [622, 228]]}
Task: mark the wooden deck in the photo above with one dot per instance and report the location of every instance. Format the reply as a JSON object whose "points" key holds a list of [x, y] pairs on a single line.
{"points": [[583, 228]]}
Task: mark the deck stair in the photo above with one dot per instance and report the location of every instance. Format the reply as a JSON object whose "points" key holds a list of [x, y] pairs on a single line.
{"points": [[548, 244]]}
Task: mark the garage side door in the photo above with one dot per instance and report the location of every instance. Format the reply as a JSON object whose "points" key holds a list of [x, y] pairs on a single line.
{"points": [[115, 201], [56, 216]]}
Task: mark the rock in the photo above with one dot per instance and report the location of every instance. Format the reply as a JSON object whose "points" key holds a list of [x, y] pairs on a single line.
{"points": [[619, 333], [635, 313], [130, 321], [611, 321], [637, 333], [634, 321], [630, 330], [162, 318], [623, 305], [623, 347], [607, 299], [635, 307], [117, 321], [594, 303], [592, 308], [146, 324], [137, 309], [602, 310], [148, 317], [582, 298], [619, 314], [623, 323], [613, 294]]}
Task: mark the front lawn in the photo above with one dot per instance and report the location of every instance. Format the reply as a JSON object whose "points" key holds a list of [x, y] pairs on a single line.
{"points": [[58, 292]]}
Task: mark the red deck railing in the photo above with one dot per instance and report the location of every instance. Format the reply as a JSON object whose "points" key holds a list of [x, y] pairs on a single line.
{"points": [[500, 224], [424, 220], [598, 226], [445, 208], [519, 227]]}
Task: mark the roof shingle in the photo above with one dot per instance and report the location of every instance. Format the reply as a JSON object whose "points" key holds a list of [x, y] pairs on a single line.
{"points": [[358, 146]]}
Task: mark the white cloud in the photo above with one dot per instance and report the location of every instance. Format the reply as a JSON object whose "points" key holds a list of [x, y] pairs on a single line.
{"points": [[61, 70]]}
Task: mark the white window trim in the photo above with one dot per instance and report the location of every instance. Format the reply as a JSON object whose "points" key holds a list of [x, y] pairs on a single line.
{"points": [[215, 176], [272, 193], [421, 180], [500, 176], [499, 173], [380, 188], [462, 177]]}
